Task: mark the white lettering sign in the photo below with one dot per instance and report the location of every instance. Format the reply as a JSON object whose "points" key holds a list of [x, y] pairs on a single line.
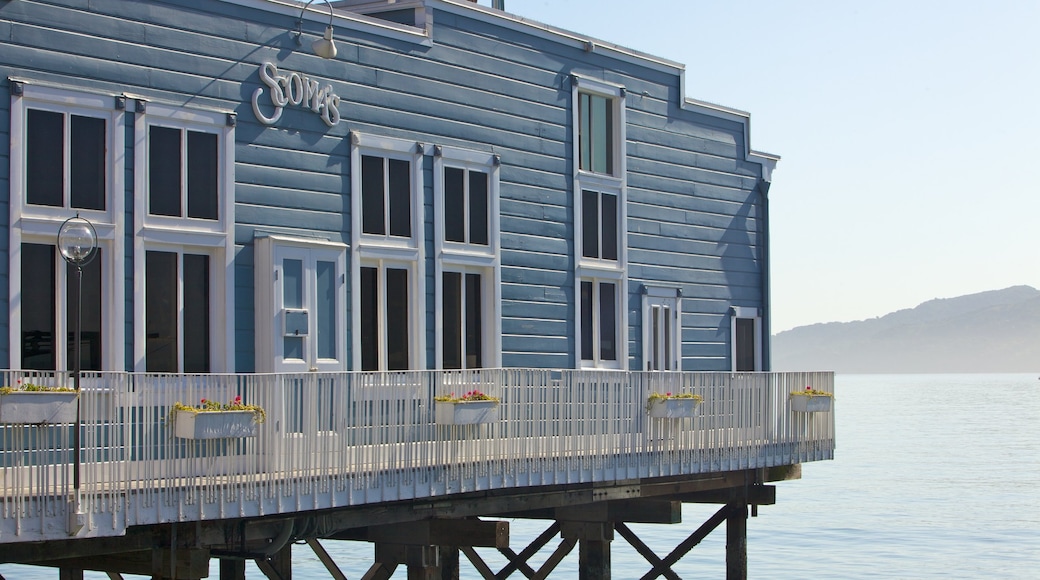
{"points": [[292, 88]]}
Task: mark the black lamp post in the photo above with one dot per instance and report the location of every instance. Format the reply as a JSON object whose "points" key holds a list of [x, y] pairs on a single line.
{"points": [[77, 242]]}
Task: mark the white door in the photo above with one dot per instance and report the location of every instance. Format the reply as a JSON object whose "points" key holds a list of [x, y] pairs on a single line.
{"points": [[661, 333], [310, 309]]}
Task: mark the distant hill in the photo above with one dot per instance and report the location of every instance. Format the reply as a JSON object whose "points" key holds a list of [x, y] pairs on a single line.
{"points": [[996, 331]]}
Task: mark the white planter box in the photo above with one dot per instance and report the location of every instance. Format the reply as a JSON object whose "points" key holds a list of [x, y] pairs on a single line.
{"points": [[465, 412], [38, 407], [673, 408], [214, 424], [811, 403]]}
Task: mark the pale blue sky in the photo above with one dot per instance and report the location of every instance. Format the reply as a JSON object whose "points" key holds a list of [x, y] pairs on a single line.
{"points": [[908, 133]]}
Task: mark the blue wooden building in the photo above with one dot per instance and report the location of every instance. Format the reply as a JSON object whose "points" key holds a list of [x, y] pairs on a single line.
{"points": [[345, 211], [456, 188]]}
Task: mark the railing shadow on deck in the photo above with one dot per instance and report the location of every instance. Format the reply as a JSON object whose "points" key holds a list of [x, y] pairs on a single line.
{"points": [[339, 439]]}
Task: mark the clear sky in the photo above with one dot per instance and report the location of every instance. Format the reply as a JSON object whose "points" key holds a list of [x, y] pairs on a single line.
{"points": [[908, 131]]}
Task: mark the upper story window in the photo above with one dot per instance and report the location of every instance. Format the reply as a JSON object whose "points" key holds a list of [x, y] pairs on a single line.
{"points": [[597, 136], [466, 201], [599, 223], [66, 159], [386, 196], [183, 172]]}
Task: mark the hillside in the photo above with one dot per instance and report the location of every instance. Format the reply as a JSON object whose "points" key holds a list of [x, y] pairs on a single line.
{"points": [[996, 331]]}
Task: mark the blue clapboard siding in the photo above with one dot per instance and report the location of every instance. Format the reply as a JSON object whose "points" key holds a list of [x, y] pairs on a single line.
{"points": [[693, 206]]}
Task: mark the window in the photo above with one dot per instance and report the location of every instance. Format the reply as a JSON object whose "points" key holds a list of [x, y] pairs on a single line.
{"points": [[746, 339], [183, 215], [466, 245], [183, 173], [596, 135], [599, 322], [599, 223], [62, 163], [177, 312], [388, 276]]}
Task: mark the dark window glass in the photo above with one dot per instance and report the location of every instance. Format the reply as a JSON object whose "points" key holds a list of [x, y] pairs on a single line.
{"points": [[478, 208], [45, 159], [160, 312], [474, 323], [609, 241], [586, 320], [196, 313], [202, 175], [373, 216], [400, 198], [451, 310], [369, 319], [607, 322], [745, 345], [88, 163], [90, 342], [164, 171], [38, 312], [396, 319], [590, 224], [454, 205]]}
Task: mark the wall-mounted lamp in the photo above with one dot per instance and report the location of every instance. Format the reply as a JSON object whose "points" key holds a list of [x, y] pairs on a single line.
{"points": [[323, 47]]}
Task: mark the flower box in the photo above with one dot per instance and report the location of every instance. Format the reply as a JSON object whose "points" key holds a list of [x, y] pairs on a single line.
{"points": [[673, 408], [38, 407], [465, 412], [214, 424], [811, 403]]}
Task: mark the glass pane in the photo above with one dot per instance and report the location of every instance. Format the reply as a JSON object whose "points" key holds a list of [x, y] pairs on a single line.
{"points": [[373, 216], [607, 322], [45, 159], [451, 310], [38, 314], [90, 338], [601, 135], [87, 180], [400, 198], [474, 323], [164, 171], [396, 319], [745, 341], [292, 283], [196, 313], [586, 320], [454, 205], [666, 314], [584, 126], [325, 309], [369, 319], [202, 175], [609, 246], [293, 347], [655, 338], [478, 208], [160, 312], [590, 224]]}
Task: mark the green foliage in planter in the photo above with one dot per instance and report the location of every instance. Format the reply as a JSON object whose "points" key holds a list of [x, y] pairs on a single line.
{"points": [[211, 406]]}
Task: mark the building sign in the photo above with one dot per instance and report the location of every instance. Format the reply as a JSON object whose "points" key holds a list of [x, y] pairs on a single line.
{"points": [[292, 88]]}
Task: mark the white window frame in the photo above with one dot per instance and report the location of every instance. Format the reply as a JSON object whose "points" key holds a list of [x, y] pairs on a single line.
{"points": [[744, 312], [188, 235], [594, 269], [469, 258], [39, 224], [672, 299], [382, 251], [416, 357]]}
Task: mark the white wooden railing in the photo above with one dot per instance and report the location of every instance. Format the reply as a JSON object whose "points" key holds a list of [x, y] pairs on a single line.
{"points": [[338, 439]]}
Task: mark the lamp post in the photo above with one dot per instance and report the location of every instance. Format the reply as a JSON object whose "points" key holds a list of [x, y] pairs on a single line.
{"points": [[77, 242]]}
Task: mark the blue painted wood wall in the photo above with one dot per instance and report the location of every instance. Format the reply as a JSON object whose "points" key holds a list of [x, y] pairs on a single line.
{"points": [[693, 203]]}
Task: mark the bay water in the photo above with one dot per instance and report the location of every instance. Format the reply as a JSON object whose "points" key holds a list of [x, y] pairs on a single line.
{"points": [[935, 476]]}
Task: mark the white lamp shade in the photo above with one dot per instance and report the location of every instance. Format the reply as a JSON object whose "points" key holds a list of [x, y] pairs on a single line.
{"points": [[325, 47]]}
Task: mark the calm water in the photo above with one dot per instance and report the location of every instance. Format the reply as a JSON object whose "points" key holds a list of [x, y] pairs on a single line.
{"points": [[936, 476]]}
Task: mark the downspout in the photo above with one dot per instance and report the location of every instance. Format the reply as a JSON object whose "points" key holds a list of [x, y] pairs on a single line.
{"points": [[767, 303]]}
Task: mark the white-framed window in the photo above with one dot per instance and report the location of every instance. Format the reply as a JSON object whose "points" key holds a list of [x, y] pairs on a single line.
{"points": [[600, 215], [745, 339], [65, 159], [601, 321], [662, 329], [466, 241], [183, 243], [387, 273]]}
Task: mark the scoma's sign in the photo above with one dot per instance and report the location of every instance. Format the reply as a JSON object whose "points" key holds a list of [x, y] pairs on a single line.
{"points": [[291, 88]]}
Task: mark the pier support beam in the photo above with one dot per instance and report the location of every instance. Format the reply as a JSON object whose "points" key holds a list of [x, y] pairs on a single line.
{"points": [[736, 541], [593, 547]]}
